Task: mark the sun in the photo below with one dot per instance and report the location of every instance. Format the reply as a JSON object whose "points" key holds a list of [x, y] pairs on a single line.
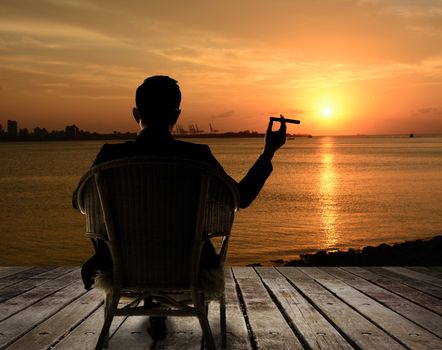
{"points": [[327, 112]]}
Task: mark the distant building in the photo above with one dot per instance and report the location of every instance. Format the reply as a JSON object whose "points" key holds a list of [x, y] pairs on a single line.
{"points": [[12, 128], [71, 131], [23, 132], [39, 132], [1, 130]]}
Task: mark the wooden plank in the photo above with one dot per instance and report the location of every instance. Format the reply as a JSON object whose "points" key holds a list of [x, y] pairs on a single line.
{"points": [[423, 317], [7, 271], [236, 328], [9, 282], [186, 333], [214, 321], [418, 276], [315, 330], [18, 324], [15, 284], [268, 325], [430, 270], [132, 334], [402, 329], [31, 272], [360, 331], [22, 301], [418, 297], [85, 336], [183, 333], [53, 329], [23, 281], [411, 282], [237, 334], [56, 272]]}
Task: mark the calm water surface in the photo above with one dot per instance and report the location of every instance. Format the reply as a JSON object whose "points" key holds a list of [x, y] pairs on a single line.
{"points": [[324, 193]]}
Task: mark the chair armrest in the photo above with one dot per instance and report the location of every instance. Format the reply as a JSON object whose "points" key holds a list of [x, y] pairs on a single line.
{"points": [[217, 234], [96, 235]]}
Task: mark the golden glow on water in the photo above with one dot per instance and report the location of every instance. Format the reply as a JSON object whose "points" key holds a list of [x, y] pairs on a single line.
{"points": [[324, 193], [327, 189]]}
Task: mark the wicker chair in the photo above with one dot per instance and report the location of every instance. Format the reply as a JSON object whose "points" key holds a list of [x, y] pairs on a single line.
{"points": [[155, 214]]}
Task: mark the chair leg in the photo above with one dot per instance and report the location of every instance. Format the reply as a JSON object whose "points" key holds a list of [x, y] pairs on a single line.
{"points": [[202, 312], [207, 332], [222, 320], [202, 342], [110, 305]]}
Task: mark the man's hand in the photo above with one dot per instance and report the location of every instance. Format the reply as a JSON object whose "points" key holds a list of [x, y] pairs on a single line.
{"points": [[274, 139]]}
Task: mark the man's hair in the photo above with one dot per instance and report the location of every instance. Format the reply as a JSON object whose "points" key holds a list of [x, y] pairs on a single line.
{"points": [[158, 94]]}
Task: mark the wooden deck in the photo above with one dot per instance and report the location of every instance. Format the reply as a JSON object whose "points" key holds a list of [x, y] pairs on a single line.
{"points": [[267, 308]]}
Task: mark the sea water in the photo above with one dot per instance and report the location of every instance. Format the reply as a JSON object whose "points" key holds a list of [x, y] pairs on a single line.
{"points": [[324, 193]]}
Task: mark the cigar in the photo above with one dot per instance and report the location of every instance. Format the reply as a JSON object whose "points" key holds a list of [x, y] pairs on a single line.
{"points": [[292, 121]]}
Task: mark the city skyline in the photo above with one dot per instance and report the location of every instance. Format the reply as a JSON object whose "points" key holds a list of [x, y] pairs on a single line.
{"points": [[13, 131], [72, 132], [341, 66]]}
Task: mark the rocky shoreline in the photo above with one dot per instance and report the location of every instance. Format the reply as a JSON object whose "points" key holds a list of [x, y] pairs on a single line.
{"points": [[421, 252]]}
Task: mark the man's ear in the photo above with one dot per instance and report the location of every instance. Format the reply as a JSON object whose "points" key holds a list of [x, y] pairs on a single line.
{"points": [[136, 115]]}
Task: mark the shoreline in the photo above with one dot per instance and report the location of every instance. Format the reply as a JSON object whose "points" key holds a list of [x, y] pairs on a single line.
{"points": [[420, 252], [226, 135]]}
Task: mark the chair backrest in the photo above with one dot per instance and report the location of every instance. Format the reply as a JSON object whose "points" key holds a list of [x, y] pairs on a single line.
{"points": [[154, 213]]}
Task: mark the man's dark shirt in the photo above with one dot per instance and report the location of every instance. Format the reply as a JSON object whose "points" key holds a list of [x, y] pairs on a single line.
{"points": [[148, 143]]}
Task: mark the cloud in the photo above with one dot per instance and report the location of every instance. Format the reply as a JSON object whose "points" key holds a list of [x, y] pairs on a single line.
{"points": [[296, 111], [34, 28], [424, 120], [75, 4], [223, 115], [429, 112], [252, 66]]}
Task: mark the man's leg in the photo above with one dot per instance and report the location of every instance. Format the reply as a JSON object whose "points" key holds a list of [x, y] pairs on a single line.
{"points": [[157, 324], [101, 260]]}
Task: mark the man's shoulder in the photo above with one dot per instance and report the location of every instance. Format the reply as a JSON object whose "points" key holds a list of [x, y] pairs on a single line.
{"points": [[195, 151], [118, 147], [176, 148], [111, 151], [191, 145]]}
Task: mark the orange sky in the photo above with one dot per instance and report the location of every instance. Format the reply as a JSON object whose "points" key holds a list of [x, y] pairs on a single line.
{"points": [[376, 64]]}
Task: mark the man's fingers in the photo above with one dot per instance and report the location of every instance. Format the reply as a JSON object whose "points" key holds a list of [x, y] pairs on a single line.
{"points": [[269, 128], [283, 127]]}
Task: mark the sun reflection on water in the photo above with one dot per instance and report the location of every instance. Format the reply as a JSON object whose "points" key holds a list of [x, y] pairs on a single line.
{"points": [[327, 185]]}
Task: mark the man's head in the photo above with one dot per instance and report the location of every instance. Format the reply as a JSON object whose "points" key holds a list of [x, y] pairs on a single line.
{"points": [[158, 102]]}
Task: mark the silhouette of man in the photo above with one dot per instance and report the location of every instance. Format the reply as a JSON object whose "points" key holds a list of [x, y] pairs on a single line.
{"points": [[157, 110]]}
